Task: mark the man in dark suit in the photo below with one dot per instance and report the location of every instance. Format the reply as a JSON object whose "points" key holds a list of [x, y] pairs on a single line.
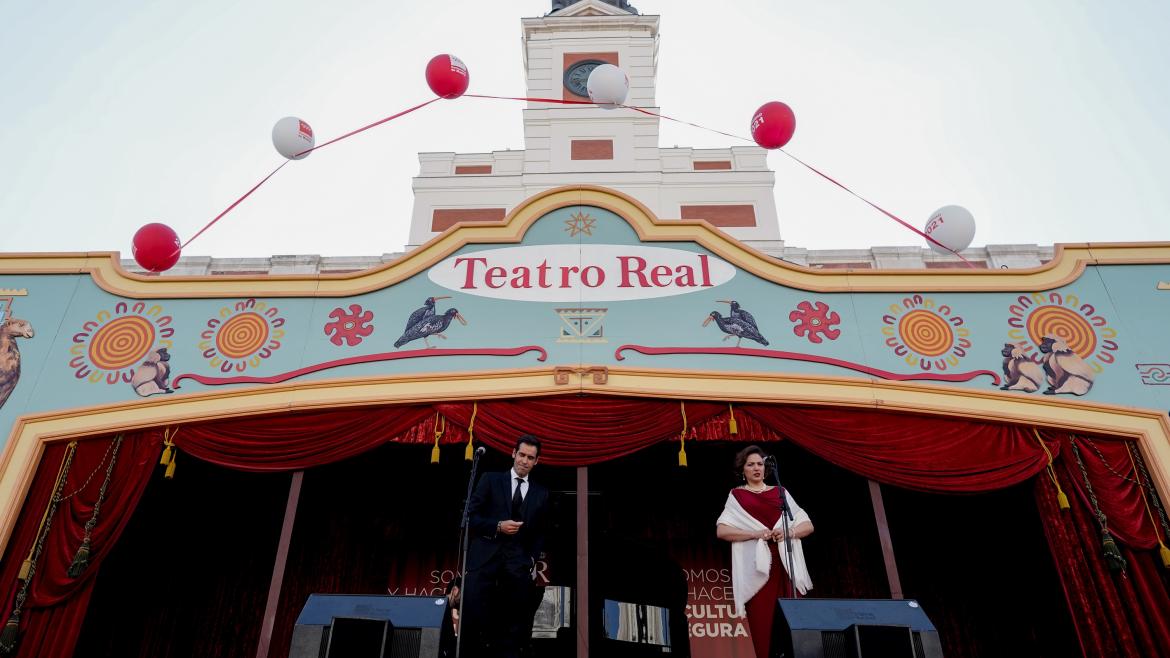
{"points": [[506, 514]]}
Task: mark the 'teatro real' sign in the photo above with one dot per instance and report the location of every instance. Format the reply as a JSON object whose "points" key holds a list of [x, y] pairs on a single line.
{"points": [[585, 272]]}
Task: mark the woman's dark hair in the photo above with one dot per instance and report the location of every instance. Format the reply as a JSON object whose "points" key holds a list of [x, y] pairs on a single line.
{"points": [[741, 457]]}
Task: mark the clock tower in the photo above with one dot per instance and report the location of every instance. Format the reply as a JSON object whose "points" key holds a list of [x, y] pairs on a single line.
{"points": [[560, 50], [569, 144]]}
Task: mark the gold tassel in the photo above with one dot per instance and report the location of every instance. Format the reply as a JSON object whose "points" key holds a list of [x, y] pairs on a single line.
{"points": [[733, 427], [1061, 498], [25, 569], [469, 453], [170, 474], [169, 448], [8, 636], [81, 560], [682, 437], [439, 429], [1162, 550]]}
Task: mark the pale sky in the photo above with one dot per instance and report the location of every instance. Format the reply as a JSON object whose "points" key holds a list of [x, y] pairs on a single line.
{"points": [[1047, 119]]}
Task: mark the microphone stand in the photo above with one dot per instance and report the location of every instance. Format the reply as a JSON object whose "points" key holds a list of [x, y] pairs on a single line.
{"points": [[464, 541], [786, 515]]}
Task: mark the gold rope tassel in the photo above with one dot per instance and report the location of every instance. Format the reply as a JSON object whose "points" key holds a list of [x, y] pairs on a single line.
{"points": [[733, 428], [8, 636], [682, 437], [170, 451], [1061, 498], [440, 427], [1163, 552], [469, 453], [170, 473]]}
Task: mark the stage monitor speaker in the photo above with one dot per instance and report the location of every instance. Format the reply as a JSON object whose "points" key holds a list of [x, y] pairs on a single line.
{"points": [[369, 626], [853, 628]]}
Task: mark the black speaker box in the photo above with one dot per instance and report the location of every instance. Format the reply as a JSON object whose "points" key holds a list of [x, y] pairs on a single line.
{"points": [[369, 626], [853, 628]]}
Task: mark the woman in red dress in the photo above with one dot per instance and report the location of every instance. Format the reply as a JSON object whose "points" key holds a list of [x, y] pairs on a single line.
{"points": [[751, 521]]}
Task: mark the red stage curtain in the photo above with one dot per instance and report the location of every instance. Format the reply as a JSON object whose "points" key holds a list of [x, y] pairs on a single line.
{"points": [[1114, 613], [1116, 487], [916, 452], [57, 603], [290, 442], [578, 430]]}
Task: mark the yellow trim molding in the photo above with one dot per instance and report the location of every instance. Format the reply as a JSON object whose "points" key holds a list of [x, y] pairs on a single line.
{"points": [[31, 433], [1066, 266]]}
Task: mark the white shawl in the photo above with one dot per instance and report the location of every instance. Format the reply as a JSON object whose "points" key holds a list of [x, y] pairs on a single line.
{"points": [[751, 561]]}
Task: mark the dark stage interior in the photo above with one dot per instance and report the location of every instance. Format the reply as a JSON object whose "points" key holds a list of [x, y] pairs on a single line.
{"points": [[191, 574]]}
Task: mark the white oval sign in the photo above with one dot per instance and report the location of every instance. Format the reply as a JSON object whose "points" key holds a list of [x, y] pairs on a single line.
{"points": [[580, 272]]}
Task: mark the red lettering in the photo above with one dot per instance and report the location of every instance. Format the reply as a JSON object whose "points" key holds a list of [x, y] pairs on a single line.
{"points": [[542, 274], [522, 278], [705, 267], [599, 276], [686, 276], [469, 279], [565, 271], [637, 271], [493, 275], [660, 275]]}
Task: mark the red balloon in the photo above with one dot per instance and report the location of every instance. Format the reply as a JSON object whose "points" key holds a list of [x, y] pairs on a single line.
{"points": [[447, 76], [773, 125], [156, 247]]}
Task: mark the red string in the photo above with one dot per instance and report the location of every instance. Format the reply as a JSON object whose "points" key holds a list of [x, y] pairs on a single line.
{"points": [[365, 128], [562, 101], [298, 155], [229, 208], [817, 172]]}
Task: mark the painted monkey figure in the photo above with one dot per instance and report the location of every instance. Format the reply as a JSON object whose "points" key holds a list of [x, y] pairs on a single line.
{"points": [[150, 378], [1067, 371], [1021, 372]]}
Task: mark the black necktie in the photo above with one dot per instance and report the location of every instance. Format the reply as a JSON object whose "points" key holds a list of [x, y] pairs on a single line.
{"points": [[517, 500]]}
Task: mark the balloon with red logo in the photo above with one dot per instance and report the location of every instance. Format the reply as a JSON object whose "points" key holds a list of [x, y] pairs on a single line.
{"points": [[447, 76], [156, 247], [951, 229], [293, 138], [773, 125]]}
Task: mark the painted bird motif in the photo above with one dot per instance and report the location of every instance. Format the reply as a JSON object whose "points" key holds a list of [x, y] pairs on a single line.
{"points": [[738, 313], [11, 329], [432, 326], [732, 327], [427, 311]]}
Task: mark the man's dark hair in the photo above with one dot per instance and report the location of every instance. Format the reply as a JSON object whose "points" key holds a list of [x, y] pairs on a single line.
{"points": [[741, 457], [530, 440]]}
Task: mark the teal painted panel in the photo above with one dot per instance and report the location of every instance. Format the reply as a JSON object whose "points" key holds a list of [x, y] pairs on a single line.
{"points": [[582, 288]]}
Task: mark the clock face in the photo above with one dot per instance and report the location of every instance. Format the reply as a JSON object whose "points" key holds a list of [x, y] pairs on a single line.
{"points": [[577, 76]]}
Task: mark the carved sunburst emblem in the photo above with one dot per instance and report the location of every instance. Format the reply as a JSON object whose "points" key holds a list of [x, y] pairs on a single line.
{"points": [[580, 223]]}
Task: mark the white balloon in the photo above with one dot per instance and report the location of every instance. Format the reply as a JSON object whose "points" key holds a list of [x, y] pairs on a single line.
{"points": [[953, 226], [608, 86], [291, 136]]}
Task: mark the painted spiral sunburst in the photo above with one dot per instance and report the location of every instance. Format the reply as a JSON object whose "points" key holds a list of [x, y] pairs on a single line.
{"points": [[926, 335], [243, 335], [1063, 317], [113, 343]]}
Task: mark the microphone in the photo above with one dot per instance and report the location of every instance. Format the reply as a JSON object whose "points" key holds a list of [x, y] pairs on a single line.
{"points": [[480, 450]]}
